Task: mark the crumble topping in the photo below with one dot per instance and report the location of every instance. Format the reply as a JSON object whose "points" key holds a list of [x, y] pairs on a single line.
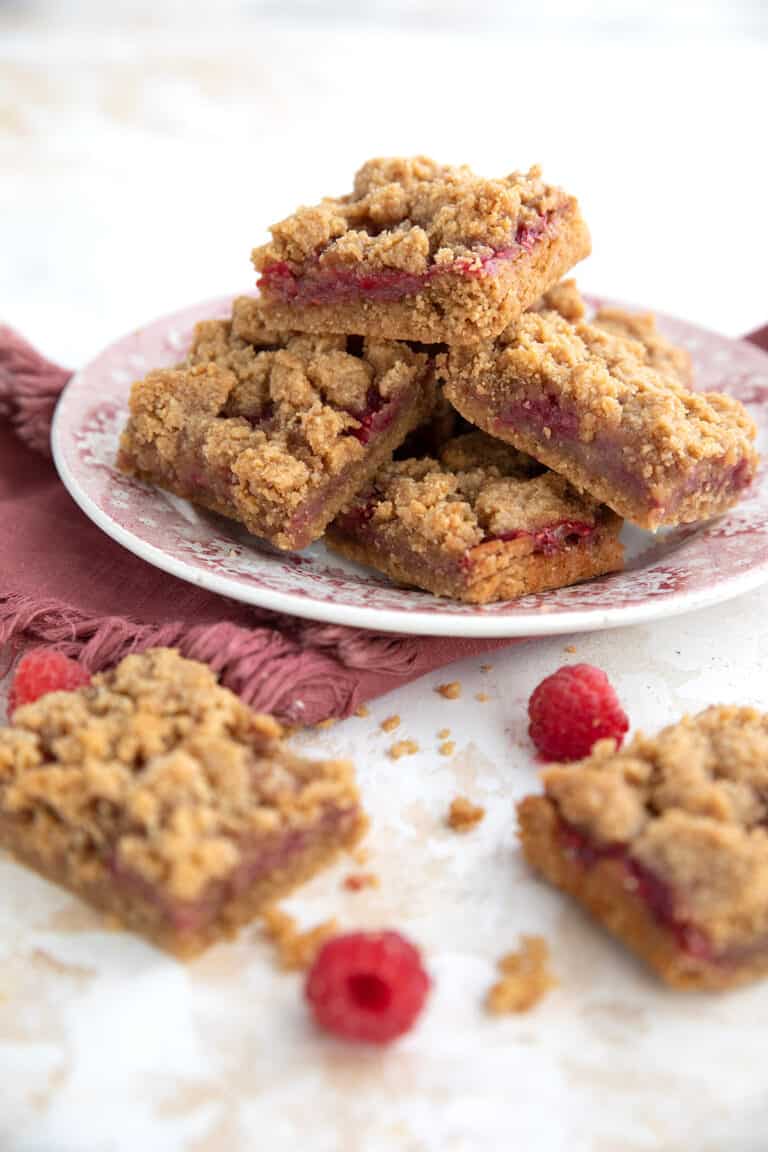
{"points": [[658, 353], [564, 298], [296, 950], [691, 804], [463, 815], [408, 214], [605, 381], [458, 506], [279, 420], [160, 770], [525, 978]]}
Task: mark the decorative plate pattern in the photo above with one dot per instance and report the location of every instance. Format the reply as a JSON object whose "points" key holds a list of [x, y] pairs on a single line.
{"points": [[669, 573]]}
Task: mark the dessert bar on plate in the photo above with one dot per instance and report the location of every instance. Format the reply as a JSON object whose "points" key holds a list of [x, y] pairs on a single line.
{"points": [[421, 251], [584, 402], [274, 429], [650, 346], [482, 523], [159, 797], [666, 844]]}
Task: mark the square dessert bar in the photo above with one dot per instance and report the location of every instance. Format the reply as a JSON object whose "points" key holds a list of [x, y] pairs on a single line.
{"points": [[421, 251], [650, 346], [584, 402], [666, 844], [159, 797], [482, 523], [274, 429]]}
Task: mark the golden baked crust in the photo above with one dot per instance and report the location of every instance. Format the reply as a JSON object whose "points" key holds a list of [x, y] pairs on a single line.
{"points": [[585, 403], [159, 796], [421, 251], [275, 429], [481, 523], [666, 842]]}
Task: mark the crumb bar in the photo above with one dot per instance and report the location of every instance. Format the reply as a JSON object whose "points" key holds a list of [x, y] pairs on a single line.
{"points": [[482, 523], [274, 429], [421, 251], [665, 843], [586, 404], [159, 797], [650, 346]]}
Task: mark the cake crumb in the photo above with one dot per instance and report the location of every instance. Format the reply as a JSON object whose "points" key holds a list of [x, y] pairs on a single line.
{"points": [[356, 881], [390, 723], [403, 748], [360, 855], [450, 691], [447, 748], [463, 815], [482, 697], [444, 733], [570, 648], [329, 723], [525, 978], [295, 949], [362, 711]]}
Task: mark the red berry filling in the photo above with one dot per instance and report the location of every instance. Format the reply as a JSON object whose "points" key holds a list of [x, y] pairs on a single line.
{"points": [[571, 710], [367, 986], [646, 885], [326, 284], [42, 671], [553, 537]]}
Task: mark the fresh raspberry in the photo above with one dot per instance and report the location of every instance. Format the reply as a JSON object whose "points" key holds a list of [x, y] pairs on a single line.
{"points": [[367, 986], [571, 710], [44, 670]]}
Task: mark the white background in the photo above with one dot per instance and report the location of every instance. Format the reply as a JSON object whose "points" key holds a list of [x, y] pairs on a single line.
{"points": [[143, 150]]}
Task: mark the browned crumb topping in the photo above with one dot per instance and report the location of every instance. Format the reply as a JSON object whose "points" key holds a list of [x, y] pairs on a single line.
{"points": [[390, 724], [450, 691], [463, 815], [363, 711], [356, 881], [456, 508], [277, 419], [658, 353], [164, 771], [564, 298], [691, 804], [447, 748], [295, 949], [403, 748], [525, 978], [444, 733], [408, 214], [603, 379]]}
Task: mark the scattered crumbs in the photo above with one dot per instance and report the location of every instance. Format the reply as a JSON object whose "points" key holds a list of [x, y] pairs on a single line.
{"points": [[444, 733], [390, 724], [362, 711], [570, 648], [447, 748], [463, 815], [402, 748], [329, 723], [482, 697], [295, 949], [525, 978], [356, 881], [486, 667], [450, 691]]}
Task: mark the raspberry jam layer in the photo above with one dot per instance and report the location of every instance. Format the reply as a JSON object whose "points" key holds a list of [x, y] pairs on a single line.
{"points": [[657, 896], [554, 537], [316, 283]]}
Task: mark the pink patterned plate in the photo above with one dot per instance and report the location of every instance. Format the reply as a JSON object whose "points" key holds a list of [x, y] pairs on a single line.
{"points": [[670, 573]]}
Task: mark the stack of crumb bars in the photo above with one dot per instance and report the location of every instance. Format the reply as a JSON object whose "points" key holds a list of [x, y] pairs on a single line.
{"points": [[416, 384]]}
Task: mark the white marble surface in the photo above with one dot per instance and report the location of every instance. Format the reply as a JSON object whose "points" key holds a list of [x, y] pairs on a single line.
{"points": [[137, 171]]}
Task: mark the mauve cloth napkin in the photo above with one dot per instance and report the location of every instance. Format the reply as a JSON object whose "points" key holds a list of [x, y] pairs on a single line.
{"points": [[62, 582]]}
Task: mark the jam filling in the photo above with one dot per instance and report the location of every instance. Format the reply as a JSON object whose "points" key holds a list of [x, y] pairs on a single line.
{"points": [[646, 885], [552, 538], [314, 283]]}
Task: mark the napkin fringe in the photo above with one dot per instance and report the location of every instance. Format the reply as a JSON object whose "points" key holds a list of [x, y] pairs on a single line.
{"points": [[29, 388], [268, 669]]}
